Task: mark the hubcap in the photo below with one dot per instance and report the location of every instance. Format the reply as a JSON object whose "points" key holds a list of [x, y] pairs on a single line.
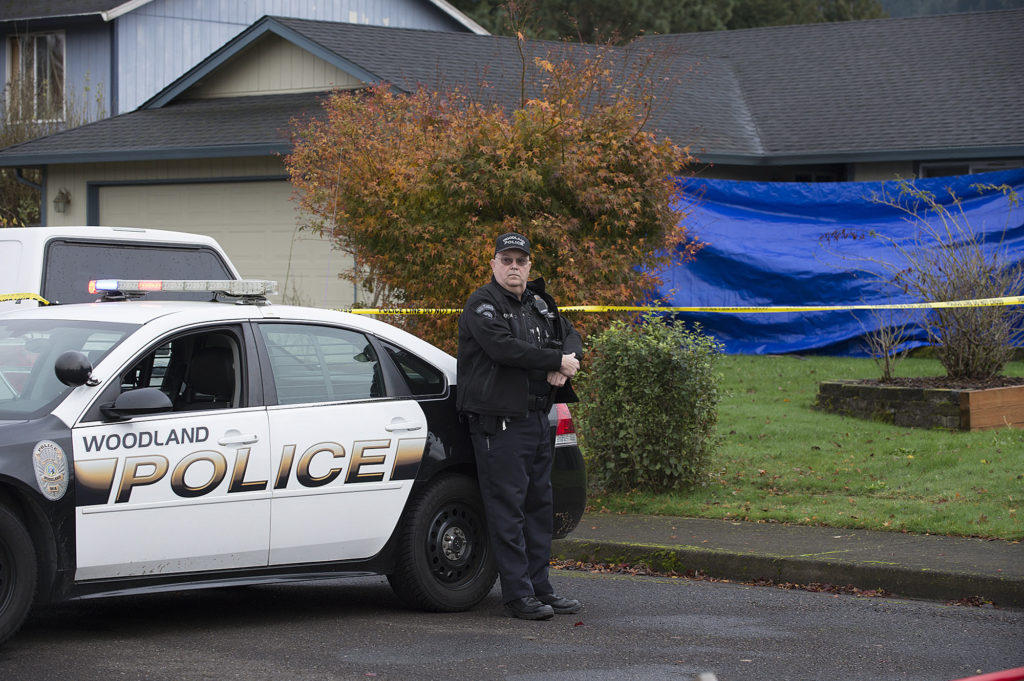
{"points": [[453, 544]]}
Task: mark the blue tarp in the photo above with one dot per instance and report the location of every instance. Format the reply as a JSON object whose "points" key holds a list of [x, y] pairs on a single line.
{"points": [[767, 245]]}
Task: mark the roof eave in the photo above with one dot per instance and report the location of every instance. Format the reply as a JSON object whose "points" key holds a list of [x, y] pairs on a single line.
{"points": [[454, 13], [869, 156], [160, 154], [123, 9], [107, 15], [50, 20], [283, 147]]}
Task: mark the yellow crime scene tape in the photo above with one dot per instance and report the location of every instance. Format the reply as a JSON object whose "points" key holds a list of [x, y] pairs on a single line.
{"points": [[976, 302], [24, 296]]}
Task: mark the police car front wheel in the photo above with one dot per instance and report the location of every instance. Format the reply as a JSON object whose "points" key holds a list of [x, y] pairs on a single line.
{"points": [[444, 561], [17, 573]]}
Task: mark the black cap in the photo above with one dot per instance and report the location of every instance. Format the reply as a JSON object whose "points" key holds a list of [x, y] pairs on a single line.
{"points": [[512, 240]]}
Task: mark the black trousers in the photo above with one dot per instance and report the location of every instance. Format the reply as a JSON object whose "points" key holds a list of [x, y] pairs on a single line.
{"points": [[514, 469]]}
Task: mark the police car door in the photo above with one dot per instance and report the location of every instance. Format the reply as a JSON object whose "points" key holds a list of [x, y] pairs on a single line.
{"points": [[343, 454], [182, 490]]}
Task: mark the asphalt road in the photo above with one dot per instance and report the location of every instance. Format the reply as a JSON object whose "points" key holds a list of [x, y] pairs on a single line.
{"points": [[631, 628]]}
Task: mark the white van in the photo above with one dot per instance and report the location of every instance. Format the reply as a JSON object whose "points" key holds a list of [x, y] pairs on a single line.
{"points": [[57, 263]]}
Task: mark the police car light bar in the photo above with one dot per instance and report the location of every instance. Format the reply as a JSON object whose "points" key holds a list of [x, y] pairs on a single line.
{"points": [[230, 287]]}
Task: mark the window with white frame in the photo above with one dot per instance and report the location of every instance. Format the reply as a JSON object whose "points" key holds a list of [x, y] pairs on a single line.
{"points": [[35, 76]]}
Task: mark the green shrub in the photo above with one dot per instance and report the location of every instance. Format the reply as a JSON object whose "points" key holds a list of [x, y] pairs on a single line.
{"points": [[649, 406]]}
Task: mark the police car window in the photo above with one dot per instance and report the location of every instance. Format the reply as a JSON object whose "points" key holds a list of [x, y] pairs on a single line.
{"points": [[199, 371], [30, 347], [422, 377], [71, 264], [150, 371], [7, 391], [321, 364]]}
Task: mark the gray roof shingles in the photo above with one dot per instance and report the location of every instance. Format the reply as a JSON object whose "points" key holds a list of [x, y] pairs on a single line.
{"points": [[21, 10], [406, 58], [926, 83], [223, 127], [703, 110], [916, 88]]}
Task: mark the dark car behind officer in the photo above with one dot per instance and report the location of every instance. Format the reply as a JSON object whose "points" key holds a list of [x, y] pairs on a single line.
{"points": [[516, 356]]}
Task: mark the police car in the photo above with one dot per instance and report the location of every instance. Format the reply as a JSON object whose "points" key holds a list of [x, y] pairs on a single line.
{"points": [[153, 445]]}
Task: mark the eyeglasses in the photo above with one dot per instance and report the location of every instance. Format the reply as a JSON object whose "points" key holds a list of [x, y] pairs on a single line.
{"points": [[507, 260]]}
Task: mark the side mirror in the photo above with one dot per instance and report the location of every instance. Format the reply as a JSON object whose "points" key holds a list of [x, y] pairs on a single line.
{"points": [[73, 368], [137, 402]]}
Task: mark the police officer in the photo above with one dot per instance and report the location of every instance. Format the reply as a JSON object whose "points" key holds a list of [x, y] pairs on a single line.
{"points": [[516, 356]]}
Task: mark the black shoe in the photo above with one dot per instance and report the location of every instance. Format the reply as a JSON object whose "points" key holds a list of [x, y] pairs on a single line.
{"points": [[561, 606], [529, 608]]}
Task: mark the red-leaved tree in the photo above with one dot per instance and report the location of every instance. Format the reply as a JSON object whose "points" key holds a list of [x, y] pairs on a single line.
{"points": [[415, 187]]}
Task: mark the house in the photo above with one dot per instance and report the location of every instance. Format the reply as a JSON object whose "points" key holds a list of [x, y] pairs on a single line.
{"points": [[106, 57], [204, 154], [854, 101], [857, 100]]}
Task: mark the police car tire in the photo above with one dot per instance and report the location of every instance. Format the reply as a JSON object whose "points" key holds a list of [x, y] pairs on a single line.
{"points": [[444, 561], [18, 573]]}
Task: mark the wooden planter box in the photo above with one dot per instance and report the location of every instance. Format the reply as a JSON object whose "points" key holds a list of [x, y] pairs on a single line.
{"points": [[992, 408], [954, 409]]}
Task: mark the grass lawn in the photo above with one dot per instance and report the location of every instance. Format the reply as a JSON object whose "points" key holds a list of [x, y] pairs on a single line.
{"points": [[781, 461]]}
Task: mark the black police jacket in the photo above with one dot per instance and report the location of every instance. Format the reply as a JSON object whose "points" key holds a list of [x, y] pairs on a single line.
{"points": [[496, 352]]}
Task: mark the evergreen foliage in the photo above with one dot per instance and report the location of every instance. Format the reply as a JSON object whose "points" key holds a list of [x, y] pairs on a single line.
{"points": [[649, 406], [918, 8], [600, 20]]}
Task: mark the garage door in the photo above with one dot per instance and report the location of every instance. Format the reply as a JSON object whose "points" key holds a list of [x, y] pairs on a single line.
{"points": [[255, 222]]}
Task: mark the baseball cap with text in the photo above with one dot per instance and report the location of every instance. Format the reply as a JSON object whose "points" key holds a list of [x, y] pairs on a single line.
{"points": [[510, 241]]}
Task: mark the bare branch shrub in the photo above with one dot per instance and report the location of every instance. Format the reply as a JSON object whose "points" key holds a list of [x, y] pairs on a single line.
{"points": [[944, 258], [885, 340]]}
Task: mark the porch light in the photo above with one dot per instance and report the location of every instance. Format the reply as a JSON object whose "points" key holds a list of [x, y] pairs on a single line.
{"points": [[62, 200]]}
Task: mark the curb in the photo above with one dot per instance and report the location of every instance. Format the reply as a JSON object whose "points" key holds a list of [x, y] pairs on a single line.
{"points": [[891, 577]]}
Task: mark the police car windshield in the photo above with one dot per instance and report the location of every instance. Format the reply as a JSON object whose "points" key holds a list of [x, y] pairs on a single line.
{"points": [[28, 349]]}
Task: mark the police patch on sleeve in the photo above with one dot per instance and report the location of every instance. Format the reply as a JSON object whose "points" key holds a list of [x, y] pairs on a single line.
{"points": [[51, 469], [486, 310]]}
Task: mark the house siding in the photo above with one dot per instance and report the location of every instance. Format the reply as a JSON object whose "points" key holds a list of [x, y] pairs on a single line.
{"points": [[87, 79], [273, 66], [163, 39]]}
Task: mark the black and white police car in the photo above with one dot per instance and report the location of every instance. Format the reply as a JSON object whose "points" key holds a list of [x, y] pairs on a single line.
{"points": [[154, 445]]}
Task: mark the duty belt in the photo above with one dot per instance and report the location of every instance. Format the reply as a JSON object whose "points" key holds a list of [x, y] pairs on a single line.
{"points": [[537, 403]]}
